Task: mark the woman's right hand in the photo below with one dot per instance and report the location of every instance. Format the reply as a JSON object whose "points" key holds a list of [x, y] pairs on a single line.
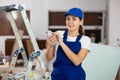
{"points": [[52, 40]]}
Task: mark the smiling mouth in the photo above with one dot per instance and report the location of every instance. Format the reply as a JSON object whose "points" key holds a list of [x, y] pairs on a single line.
{"points": [[70, 26]]}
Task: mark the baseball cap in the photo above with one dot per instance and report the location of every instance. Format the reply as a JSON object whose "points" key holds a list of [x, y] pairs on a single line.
{"points": [[75, 12]]}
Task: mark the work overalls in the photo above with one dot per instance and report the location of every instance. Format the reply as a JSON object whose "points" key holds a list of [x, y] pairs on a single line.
{"points": [[63, 68]]}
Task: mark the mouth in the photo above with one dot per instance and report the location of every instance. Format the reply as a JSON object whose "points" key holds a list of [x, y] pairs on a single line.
{"points": [[70, 26]]}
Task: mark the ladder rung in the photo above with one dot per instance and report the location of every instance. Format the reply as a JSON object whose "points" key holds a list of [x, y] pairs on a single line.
{"points": [[17, 75]]}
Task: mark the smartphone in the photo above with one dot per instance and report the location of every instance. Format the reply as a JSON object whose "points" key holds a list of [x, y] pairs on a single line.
{"points": [[49, 33]]}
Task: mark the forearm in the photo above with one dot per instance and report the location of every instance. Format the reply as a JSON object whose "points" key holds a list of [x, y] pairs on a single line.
{"points": [[70, 54], [50, 52], [51, 41], [76, 59]]}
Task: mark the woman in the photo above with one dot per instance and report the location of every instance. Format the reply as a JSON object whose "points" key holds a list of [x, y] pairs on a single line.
{"points": [[70, 48]]}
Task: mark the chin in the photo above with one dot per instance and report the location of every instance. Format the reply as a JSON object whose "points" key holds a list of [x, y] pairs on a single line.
{"points": [[71, 29]]}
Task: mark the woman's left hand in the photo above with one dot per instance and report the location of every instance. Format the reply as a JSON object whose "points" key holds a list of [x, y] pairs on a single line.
{"points": [[59, 39]]}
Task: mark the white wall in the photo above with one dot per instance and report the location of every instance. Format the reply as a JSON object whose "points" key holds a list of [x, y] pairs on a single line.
{"points": [[86, 5], [113, 21], [39, 17]]}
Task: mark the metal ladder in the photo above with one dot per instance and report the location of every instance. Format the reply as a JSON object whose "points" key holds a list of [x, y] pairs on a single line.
{"points": [[36, 53], [10, 10]]}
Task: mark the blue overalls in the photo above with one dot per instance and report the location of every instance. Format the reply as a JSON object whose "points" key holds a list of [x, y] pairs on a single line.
{"points": [[63, 68]]}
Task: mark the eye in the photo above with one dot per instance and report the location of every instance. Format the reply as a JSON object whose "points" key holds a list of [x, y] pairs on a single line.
{"points": [[74, 19], [67, 18]]}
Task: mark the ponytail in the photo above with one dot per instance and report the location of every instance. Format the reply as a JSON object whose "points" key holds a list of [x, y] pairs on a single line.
{"points": [[81, 31]]}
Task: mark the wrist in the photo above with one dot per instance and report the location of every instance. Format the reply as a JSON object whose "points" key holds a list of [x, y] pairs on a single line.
{"points": [[51, 45], [61, 43]]}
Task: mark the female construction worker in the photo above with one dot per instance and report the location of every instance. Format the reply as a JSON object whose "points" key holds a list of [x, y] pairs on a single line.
{"points": [[69, 47]]}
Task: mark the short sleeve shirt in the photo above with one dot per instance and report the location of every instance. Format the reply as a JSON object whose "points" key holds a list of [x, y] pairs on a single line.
{"points": [[85, 40]]}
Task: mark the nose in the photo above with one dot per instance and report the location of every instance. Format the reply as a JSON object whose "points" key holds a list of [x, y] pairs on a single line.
{"points": [[70, 21]]}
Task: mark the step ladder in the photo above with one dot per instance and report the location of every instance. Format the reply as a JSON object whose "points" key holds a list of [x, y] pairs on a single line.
{"points": [[36, 53], [10, 10]]}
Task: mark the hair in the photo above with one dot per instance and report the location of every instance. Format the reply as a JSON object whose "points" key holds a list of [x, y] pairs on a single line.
{"points": [[81, 31]]}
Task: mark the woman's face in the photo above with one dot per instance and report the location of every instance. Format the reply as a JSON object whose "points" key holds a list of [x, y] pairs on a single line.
{"points": [[73, 23]]}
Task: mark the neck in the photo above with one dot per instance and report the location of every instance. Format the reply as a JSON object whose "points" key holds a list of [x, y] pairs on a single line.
{"points": [[73, 33]]}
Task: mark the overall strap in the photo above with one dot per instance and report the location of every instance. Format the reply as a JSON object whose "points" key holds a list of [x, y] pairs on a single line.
{"points": [[78, 37], [66, 33]]}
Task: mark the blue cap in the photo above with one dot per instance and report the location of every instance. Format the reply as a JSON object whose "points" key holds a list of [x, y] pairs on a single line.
{"points": [[75, 12]]}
